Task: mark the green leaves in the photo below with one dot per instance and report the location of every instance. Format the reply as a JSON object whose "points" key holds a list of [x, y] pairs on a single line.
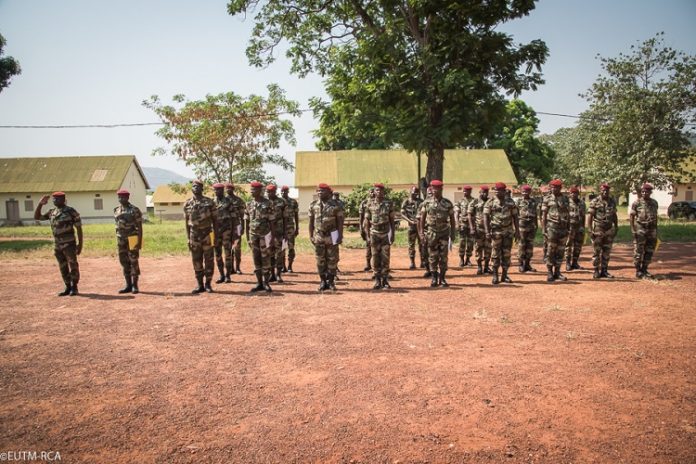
{"points": [[8, 66]]}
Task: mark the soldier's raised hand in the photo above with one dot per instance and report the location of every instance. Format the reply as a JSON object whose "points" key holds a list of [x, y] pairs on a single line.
{"points": [[44, 199]]}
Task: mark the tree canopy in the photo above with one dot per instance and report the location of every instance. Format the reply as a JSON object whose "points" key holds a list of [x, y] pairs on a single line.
{"points": [[427, 75], [8, 66], [227, 137]]}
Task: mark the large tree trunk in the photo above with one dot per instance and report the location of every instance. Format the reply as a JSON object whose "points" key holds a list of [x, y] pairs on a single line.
{"points": [[435, 167]]}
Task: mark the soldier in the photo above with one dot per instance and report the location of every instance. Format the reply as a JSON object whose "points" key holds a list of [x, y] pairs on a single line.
{"points": [[528, 223], [555, 217], [201, 218], [576, 229], [337, 196], [379, 221], [129, 238], [545, 192], [438, 215], [326, 234], [363, 231], [424, 240], [279, 226], [240, 207], [409, 210], [259, 234], [643, 219], [482, 243], [64, 221], [466, 236], [227, 220], [500, 224], [292, 226], [603, 224]]}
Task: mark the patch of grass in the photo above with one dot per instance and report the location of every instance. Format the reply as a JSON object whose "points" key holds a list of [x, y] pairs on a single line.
{"points": [[554, 307], [504, 319], [570, 335], [15, 246], [480, 314]]}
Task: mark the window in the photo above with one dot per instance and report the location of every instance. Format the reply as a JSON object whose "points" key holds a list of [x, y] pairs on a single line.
{"points": [[98, 204], [99, 175], [176, 204], [28, 205], [164, 204]]}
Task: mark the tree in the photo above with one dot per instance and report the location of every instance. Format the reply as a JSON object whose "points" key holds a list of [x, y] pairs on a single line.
{"points": [[569, 148], [642, 113], [428, 73], [8, 66], [227, 137]]}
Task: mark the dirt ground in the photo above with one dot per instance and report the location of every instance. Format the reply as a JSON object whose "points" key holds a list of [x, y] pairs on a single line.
{"points": [[582, 371]]}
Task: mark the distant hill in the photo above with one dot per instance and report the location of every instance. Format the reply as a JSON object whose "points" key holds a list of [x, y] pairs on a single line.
{"points": [[158, 176]]}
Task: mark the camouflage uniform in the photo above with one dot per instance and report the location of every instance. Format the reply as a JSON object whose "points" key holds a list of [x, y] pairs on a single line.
{"points": [[645, 238], [409, 209], [603, 231], [557, 219], [576, 232], [461, 216], [425, 254], [544, 246], [380, 216], [129, 221], [259, 216], [240, 207], [501, 215], [227, 220], [527, 210], [280, 213], [437, 218], [368, 246], [200, 216], [63, 220], [326, 216], [482, 244], [290, 227]]}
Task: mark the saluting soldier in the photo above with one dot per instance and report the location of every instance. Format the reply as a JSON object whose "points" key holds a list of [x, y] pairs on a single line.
{"points": [[129, 238], [227, 220], [292, 226], [201, 217], [576, 229], [65, 220], [603, 224], [644, 228], [500, 223], [240, 207], [482, 243], [528, 222], [438, 214], [326, 234], [259, 234], [279, 226], [409, 211], [363, 231], [379, 221], [555, 217], [466, 236]]}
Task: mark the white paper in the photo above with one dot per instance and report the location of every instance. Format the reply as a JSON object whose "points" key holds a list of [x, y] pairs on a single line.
{"points": [[269, 239], [334, 237], [449, 245], [390, 234], [239, 230], [284, 246]]}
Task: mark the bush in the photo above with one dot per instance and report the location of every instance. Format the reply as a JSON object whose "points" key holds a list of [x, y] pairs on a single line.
{"points": [[362, 191]]}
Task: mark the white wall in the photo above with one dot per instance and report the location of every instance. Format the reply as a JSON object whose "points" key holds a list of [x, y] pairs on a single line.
{"points": [[134, 183], [663, 197]]}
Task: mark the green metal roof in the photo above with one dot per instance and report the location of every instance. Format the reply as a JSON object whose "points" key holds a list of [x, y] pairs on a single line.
{"points": [[66, 173], [353, 167]]}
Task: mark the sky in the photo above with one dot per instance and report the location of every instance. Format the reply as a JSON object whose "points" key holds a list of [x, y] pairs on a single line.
{"points": [[94, 62]]}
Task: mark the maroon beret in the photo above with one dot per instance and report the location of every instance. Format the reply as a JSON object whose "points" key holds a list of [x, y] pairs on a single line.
{"points": [[123, 192], [500, 186], [436, 183], [556, 183], [256, 184], [218, 185], [484, 188], [58, 194], [324, 186]]}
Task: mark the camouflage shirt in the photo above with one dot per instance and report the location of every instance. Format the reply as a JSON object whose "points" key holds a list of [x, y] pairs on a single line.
{"points": [[603, 211], [557, 211], [475, 209], [461, 212], [240, 207], [645, 212], [292, 209], [63, 221], [577, 212], [527, 210], [259, 215], [129, 220], [501, 214], [227, 215], [380, 216], [280, 213], [326, 216], [200, 214], [409, 209], [437, 214]]}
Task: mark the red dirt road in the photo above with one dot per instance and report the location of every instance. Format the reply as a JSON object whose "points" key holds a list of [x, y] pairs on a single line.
{"points": [[582, 371]]}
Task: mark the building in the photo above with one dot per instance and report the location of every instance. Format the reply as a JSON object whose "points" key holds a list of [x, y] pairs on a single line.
{"points": [[343, 170], [89, 182], [168, 204], [682, 191]]}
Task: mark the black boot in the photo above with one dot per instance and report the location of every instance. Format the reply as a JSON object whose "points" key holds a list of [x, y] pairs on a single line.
{"points": [[73, 290], [324, 285], [504, 277], [647, 274], [284, 268], [569, 267], [461, 261], [575, 266], [259, 281], [207, 286], [272, 277], [523, 266], [66, 290], [238, 265], [550, 276], [129, 285], [378, 282], [468, 261], [557, 274], [279, 278], [385, 282], [605, 273], [201, 287], [434, 282], [487, 269], [330, 281], [443, 282], [290, 260], [227, 276], [265, 283], [413, 264], [495, 280], [427, 274], [423, 264], [528, 266], [596, 274], [135, 285], [221, 270], [479, 269], [639, 271]]}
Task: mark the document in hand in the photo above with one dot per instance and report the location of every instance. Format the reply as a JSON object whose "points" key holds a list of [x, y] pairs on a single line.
{"points": [[284, 246], [390, 234], [449, 245], [269, 239], [334, 237], [132, 241]]}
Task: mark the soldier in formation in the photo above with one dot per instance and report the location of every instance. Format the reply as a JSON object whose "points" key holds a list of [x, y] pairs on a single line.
{"points": [[603, 224], [279, 227], [555, 218], [501, 227], [379, 221], [643, 220], [326, 234], [259, 234], [363, 232], [65, 221], [227, 219], [576, 229], [129, 239], [527, 208], [200, 215], [476, 224], [438, 215], [466, 236], [409, 211], [292, 226], [424, 239], [240, 208]]}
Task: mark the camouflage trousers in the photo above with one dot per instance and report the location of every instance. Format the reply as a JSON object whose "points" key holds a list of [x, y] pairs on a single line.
{"points": [[501, 247], [202, 254], [381, 253], [466, 243], [482, 246], [260, 253], [326, 254], [602, 241], [128, 258], [368, 249], [438, 249], [66, 254], [291, 245], [414, 239], [576, 237], [555, 244], [237, 251], [644, 242], [223, 243], [525, 249], [277, 250]]}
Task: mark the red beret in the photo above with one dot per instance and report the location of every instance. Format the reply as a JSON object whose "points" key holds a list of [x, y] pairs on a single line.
{"points": [[484, 188], [500, 186], [285, 188], [324, 186], [122, 192], [556, 183], [604, 186], [218, 185], [58, 194], [646, 186], [256, 184], [467, 187], [574, 190], [436, 183], [270, 187], [526, 188], [378, 185], [229, 185]]}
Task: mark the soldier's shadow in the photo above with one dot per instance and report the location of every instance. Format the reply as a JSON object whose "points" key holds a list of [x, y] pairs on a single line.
{"points": [[98, 296], [165, 294]]}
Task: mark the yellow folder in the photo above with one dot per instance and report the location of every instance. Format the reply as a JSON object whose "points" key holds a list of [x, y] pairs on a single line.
{"points": [[657, 245], [212, 237], [133, 242]]}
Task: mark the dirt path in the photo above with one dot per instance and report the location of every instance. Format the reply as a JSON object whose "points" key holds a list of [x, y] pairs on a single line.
{"points": [[582, 371]]}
